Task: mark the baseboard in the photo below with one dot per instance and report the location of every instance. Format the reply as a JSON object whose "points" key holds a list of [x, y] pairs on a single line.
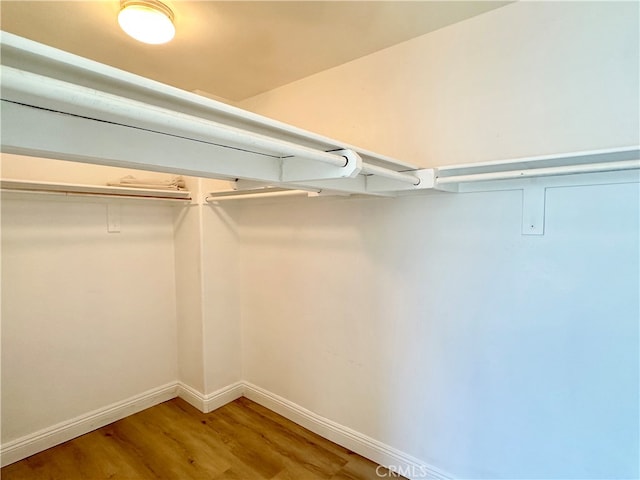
{"points": [[368, 447], [397, 461], [208, 403], [36, 442]]}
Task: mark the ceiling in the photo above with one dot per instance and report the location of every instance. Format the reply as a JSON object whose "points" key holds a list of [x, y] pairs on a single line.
{"points": [[233, 50]]}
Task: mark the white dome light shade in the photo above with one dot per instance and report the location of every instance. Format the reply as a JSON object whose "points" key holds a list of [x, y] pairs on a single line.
{"points": [[147, 21]]}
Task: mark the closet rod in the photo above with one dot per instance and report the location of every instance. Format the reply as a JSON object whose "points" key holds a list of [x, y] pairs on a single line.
{"points": [[542, 172], [405, 177], [73, 189], [266, 192], [109, 196]]}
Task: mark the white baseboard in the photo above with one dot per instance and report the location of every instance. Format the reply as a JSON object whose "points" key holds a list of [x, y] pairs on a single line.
{"points": [[208, 403], [36, 442], [368, 447]]}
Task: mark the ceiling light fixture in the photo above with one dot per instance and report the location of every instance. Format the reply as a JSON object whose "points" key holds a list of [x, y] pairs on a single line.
{"points": [[147, 21]]}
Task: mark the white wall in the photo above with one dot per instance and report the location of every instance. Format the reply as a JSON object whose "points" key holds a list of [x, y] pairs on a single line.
{"points": [[220, 297], [189, 285], [88, 317], [531, 78], [209, 342], [430, 323]]}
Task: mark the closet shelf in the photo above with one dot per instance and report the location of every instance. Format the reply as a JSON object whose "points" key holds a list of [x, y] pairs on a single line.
{"points": [[623, 160], [72, 189], [80, 110], [117, 118]]}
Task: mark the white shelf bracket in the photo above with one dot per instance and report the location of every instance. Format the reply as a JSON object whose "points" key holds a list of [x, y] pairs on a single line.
{"points": [[533, 209], [113, 218]]}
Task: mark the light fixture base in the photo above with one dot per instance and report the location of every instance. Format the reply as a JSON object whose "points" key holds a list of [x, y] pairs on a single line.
{"points": [[154, 4], [148, 21]]}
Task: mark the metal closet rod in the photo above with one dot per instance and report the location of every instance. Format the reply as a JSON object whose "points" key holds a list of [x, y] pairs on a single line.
{"points": [[406, 177], [72, 189], [261, 192], [29, 84]]}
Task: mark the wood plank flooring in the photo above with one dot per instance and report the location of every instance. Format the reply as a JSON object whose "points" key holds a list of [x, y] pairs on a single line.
{"points": [[173, 440]]}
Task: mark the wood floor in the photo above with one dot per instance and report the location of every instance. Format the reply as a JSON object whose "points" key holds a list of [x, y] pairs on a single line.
{"points": [[173, 440]]}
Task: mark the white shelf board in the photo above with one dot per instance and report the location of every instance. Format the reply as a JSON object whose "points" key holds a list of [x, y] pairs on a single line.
{"points": [[116, 118], [571, 159], [33, 57]]}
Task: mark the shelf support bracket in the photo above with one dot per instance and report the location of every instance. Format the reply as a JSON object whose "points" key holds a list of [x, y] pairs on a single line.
{"points": [[533, 209], [113, 218]]}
